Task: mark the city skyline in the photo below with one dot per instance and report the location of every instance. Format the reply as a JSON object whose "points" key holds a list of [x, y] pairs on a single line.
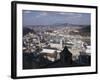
{"points": [[56, 39]]}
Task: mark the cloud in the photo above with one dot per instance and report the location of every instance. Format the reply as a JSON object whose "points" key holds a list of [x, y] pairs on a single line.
{"points": [[62, 13], [79, 15], [42, 14], [74, 15], [70, 14], [27, 11]]}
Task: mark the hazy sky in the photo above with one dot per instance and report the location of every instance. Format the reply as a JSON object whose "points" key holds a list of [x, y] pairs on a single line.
{"points": [[51, 17]]}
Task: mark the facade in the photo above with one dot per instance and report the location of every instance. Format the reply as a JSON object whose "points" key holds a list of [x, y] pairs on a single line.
{"points": [[50, 54]]}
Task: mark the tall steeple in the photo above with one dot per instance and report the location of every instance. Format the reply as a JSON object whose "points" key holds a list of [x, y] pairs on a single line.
{"points": [[61, 44], [66, 56]]}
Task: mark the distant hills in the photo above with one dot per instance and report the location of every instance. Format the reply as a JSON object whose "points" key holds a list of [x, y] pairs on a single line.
{"points": [[57, 25], [27, 30], [84, 30]]}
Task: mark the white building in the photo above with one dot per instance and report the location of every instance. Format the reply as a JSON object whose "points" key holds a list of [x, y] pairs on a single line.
{"points": [[51, 54]]}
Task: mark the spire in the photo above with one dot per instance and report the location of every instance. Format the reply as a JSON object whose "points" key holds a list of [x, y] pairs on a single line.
{"points": [[66, 56], [66, 51]]}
